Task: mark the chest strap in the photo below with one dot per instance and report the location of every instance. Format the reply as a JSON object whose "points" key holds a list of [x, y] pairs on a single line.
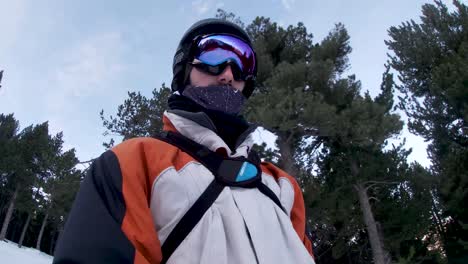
{"points": [[234, 172]]}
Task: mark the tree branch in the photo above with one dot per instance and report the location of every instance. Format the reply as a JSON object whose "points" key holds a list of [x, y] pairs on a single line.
{"points": [[86, 162], [373, 183]]}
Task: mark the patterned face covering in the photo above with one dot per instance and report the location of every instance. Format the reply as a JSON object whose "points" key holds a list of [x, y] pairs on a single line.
{"points": [[220, 98]]}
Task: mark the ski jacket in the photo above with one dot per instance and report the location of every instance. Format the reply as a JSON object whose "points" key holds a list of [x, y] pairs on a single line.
{"points": [[136, 193]]}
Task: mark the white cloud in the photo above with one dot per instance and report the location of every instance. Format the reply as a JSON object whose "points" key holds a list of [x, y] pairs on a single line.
{"points": [[181, 9], [90, 65], [201, 7], [12, 17], [287, 4], [219, 5], [86, 71]]}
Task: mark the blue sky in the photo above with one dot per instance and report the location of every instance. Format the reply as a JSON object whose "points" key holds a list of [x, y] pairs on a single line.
{"points": [[64, 61]]}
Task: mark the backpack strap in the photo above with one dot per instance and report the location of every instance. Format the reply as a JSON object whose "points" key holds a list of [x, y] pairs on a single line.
{"points": [[253, 156], [270, 194], [190, 219], [237, 172]]}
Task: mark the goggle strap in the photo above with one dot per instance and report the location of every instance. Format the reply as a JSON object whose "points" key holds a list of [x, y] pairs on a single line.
{"points": [[188, 69]]}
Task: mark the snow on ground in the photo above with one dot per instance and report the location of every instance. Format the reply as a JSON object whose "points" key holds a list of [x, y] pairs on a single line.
{"points": [[10, 253]]}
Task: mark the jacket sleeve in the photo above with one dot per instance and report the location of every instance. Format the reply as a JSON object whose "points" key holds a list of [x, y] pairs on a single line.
{"points": [[298, 217], [110, 221]]}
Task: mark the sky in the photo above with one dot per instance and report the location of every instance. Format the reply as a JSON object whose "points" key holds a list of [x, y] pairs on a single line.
{"points": [[65, 61]]}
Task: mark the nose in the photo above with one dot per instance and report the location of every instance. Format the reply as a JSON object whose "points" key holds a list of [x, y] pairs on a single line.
{"points": [[226, 77]]}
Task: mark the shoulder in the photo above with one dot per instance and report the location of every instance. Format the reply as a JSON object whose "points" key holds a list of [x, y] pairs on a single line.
{"points": [[150, 152], [142, 146], [279, 175]]}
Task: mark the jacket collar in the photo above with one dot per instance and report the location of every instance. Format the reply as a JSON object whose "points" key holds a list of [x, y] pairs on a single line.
{"points": [[205, 136]]}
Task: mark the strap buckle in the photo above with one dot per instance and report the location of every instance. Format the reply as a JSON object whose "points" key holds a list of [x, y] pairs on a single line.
{"points": [[238, 173]]}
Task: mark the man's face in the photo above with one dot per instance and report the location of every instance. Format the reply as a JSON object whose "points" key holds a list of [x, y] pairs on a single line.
{"points": [[199, 78]]}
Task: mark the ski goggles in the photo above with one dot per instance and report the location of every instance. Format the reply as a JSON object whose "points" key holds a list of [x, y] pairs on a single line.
{"points": [[213, 53]]}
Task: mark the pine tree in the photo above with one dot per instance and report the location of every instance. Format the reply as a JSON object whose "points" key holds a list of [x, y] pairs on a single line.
{"points": [[303, 95], [28, 160], [138, 116], [59, 182], [282, 55], [431, 58]]}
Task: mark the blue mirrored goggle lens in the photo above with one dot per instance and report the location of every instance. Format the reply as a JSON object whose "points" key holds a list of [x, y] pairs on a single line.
{"points": [[214, 50], [219, 56]]}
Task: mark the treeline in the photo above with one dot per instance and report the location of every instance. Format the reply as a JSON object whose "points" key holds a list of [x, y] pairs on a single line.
{"points": [[38, 182], [365, 202]]}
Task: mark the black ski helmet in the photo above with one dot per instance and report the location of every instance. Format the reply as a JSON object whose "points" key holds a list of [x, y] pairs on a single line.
{"points": [[181, 67]]}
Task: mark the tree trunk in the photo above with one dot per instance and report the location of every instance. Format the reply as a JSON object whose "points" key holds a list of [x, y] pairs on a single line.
{"points": [[288, 163], [53, 240], [9, 213], [378, 252], [13, 228], [39, 238], [438, 223], [2, 204], [23, 233], [59, 231]]}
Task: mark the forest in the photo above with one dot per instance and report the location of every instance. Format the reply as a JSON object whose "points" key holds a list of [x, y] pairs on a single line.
{"points": [[365, 202]]}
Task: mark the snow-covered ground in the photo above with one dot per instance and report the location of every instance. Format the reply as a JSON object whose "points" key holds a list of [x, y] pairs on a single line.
{"points": [[10, 253]]}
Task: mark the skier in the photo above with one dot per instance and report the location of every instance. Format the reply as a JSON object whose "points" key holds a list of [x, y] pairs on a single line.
{"points": [[196, 193]]}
